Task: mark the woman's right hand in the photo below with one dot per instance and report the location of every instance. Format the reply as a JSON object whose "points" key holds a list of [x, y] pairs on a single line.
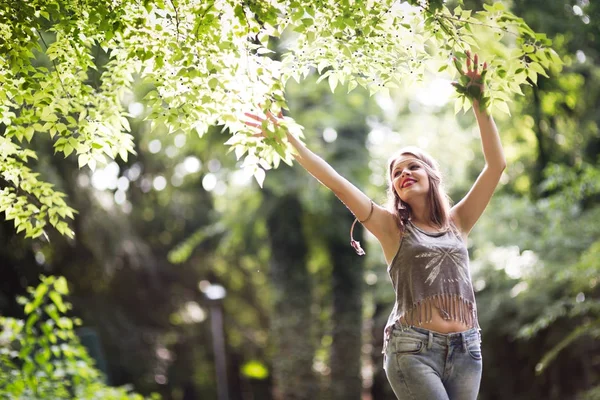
{"points": [[259, 121]]}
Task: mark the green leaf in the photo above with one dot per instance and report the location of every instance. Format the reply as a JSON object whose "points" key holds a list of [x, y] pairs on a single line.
{"points": [[333, 81], [502, 106], [527, 48], [498, 6], [57, 300], [474, 92], [92, 164], [82, 160], [31, 320], [29, 307], [68, 149], [307, 22], [51, 311], [29, 133], [352, 85], [538, 69], [458, 104], [531, 74], [458, 65], [39, 293]]}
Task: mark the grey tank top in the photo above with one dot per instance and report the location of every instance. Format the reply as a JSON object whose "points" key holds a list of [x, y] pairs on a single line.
{"points": [[431, 270]]}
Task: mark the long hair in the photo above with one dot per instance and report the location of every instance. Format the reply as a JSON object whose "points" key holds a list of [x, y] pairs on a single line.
{"points": [[437, 199]]}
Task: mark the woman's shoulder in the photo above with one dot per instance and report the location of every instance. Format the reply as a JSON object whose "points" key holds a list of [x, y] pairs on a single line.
{"points": [[392, 232], [390, 220]]}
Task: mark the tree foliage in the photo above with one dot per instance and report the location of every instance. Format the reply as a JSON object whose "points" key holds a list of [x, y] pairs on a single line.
{"points": [[66, 66], [41, 357], [210, 61]]}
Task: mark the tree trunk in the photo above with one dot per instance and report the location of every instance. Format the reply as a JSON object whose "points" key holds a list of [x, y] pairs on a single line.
{"points": [[347, 272], [291, 291], [347, 287]]}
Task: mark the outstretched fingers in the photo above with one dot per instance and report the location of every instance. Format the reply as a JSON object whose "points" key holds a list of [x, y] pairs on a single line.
{"points": [[255, 124], [468, 61], [257, 121], [473, 63], [253, 116]]}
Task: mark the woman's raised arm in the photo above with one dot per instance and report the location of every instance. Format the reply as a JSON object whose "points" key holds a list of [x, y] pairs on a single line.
{"points": [[378, 220], [469, 209]]}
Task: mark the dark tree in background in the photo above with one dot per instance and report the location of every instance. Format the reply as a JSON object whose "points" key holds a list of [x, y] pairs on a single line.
{"points": [[291, 293]]}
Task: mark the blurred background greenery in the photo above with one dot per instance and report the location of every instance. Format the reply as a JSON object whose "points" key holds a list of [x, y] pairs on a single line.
{"points": [[179, 237]]}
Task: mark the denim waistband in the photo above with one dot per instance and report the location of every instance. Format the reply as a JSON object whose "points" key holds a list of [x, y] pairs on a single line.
{"points": [[450, 339]]}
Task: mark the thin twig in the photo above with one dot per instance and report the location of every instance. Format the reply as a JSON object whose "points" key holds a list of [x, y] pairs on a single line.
{"points": [[452, 35], [380, 16], [479, 24], [202, 17], [55, 66], [176, 19]]}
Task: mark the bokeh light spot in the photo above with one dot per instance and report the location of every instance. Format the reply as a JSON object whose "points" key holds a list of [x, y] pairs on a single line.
{"points": [[159, 183]]}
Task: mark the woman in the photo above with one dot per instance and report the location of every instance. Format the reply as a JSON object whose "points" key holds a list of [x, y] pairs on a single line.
{"points": [[432, 341]]}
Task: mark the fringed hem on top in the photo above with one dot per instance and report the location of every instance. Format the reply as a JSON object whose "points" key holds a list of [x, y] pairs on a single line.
{"points": [[451, 307]]}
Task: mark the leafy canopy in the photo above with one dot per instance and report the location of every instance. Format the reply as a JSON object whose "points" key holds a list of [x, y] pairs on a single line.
{"points": [[65, 67]]}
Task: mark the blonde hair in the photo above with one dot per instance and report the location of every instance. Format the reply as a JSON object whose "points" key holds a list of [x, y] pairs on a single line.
{"points": [[438, 200]]}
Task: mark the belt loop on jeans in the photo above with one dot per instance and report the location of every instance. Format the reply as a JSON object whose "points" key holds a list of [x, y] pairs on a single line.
{"points": [[464, 341], [430, 340]]}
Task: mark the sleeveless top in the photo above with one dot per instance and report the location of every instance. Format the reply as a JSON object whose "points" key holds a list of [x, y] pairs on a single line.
{"points": [[431, 270]]}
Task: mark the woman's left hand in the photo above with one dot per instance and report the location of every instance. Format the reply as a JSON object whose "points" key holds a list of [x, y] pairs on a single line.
{"points": [[472, 81]]}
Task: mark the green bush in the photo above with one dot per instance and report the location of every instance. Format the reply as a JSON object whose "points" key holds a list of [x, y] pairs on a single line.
{"points": [[41, 357]]}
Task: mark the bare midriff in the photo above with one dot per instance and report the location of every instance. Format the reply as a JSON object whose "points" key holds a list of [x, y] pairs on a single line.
{"points": [[438, 323]]}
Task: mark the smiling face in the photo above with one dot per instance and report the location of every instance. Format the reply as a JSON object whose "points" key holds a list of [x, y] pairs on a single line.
{"points": [[409, 178], [414, 177]]}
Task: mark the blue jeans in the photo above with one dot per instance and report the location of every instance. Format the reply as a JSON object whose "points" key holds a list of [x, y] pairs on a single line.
{"points": [[425, 365]]}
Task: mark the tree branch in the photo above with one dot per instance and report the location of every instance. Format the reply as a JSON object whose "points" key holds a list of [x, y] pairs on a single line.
{"points": [[176, 19], [55, 66]]}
